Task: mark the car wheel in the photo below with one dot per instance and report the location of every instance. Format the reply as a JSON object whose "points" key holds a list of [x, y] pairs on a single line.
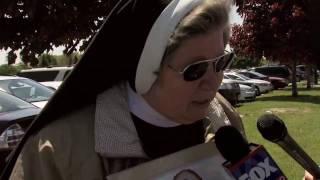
{"points": [[258, 93], [234, 102]]}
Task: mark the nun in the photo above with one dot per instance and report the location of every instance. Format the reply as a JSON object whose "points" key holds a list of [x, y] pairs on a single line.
{"points": [[146, 87]]}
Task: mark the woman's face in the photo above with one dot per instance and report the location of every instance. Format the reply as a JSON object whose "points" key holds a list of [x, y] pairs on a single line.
{"points": [[187, 101]]}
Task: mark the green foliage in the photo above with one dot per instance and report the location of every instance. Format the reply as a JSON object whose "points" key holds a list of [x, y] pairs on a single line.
{"points": [[46, 60], [66, 60], [9, 70], [244, 63]]}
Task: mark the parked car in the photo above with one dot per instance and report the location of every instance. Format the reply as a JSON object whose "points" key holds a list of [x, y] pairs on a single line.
{"points": [[26, 89], [300, 73], [247, 93], [277, 82], [261, 86], [253, 75], [301, 70], [52, 84], [230, 90], [15, 116], [46, 74], [274, 71]]}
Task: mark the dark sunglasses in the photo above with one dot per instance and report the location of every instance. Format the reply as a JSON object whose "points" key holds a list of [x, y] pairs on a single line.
{"points": [[196, 70]]}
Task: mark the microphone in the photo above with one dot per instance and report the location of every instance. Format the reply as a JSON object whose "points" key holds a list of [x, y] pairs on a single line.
{"points": [[245, 161], [273, 129]]}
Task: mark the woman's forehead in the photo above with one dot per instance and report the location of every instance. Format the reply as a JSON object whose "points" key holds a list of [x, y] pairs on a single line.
{"points": [[198, 48]]}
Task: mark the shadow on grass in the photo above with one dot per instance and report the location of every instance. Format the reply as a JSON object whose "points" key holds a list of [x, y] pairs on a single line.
{"points": [[238, 105], [301, 89], [300, 98]]}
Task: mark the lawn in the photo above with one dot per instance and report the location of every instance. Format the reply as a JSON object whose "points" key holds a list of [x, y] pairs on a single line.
{"points": [[301, 116]]}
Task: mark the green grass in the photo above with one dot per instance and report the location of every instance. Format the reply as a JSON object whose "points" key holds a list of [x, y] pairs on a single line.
{"points": [[301, 116]]}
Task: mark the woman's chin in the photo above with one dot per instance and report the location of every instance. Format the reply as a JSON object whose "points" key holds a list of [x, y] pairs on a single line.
{"points": [[192, 118]]}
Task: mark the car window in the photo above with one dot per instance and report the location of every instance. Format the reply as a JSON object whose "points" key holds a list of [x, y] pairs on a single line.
{"points": [[242, 77], [26, 89], [66, 74], [235, 77], [263, 71], [256, 74], [251, 75], [10, 103], [40, 76], [245, 74], [225, 77], [274, 71]]}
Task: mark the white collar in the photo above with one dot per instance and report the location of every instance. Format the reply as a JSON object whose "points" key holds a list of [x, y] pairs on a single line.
{"points": [[140, 108]]}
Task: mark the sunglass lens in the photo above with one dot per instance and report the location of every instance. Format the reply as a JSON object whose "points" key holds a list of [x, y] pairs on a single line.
{"points": [[195, 71], [220, 64], [223, 62]]}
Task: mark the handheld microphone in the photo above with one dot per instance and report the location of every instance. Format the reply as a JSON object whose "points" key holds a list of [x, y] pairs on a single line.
{"points": [[273, 129], [245, 161]]}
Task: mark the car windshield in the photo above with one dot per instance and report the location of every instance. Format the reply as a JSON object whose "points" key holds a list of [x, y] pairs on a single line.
{"points": [[225, 77], [11, 103], [237, 77], [242, 76], [26, 89], [39, 76], [257, 74]]}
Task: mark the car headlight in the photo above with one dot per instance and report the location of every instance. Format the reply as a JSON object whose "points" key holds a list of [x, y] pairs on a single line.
{"points": [[226, 86], [11, 136]]}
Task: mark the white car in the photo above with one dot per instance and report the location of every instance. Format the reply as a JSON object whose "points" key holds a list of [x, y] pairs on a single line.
{"points": [[260, 85], [46, 74], [52, 84], [26, 89], [247, 93]]}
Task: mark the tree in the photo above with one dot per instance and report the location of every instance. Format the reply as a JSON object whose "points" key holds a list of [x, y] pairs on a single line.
{"points": [[36, 26], [278, 30], [67, 60], [46, 60], [9, 70], [242, 62], [11, 57]]}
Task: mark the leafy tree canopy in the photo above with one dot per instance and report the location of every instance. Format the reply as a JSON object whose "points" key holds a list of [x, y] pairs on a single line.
{"points": [[279, 30], [36, 26]]}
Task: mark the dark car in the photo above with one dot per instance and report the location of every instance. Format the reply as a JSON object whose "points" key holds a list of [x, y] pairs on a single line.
{"points": [[277, 82], [15, 116], [274, 71], [230, 90]]}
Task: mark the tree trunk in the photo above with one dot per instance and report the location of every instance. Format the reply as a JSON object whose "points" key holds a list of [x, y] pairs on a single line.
{"points": [[69, 57], [315, 75], [309, 75], [294, 79]]}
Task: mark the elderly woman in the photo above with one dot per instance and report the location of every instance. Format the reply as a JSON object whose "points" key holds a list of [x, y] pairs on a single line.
{"points": [[153, 93]]}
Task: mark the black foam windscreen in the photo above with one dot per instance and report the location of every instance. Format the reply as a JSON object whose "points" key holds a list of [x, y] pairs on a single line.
{"points": [[271, 127], [231, 144]]}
